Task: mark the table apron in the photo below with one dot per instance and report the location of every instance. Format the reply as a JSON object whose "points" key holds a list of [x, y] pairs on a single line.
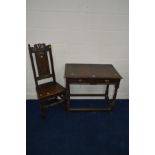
{"points": [[92, 81]]}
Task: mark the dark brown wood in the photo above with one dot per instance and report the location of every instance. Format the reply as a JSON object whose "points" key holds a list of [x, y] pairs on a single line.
{"points": [[114, 95], [68, 95], [92, 74], [48, 92], [107, 92], [87, 94], [42, 63], [90, 109], [52, 64], [92, 81], [92, 71], [46, 76], [48, 89]]}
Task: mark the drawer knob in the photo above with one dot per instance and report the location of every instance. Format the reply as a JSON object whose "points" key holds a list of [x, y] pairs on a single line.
{"points": [[80, 80]]}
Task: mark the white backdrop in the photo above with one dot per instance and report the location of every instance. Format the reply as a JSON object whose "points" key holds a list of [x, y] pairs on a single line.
{"points": [[80, 31]]}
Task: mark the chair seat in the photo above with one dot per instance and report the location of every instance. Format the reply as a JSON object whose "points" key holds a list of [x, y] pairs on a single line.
{"points": [[49, 89]]}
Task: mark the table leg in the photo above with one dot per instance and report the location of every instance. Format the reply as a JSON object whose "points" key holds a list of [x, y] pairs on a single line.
{"points": [[107, 92], [112, 104], [68, 95]]}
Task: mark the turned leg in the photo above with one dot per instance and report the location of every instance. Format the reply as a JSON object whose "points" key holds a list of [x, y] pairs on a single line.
{"points": [[67, 96], [114, 96], [107, 92], [65, 101], [42, 110]]}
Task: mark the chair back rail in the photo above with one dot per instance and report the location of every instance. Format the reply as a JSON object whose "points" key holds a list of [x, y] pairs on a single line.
{"points": [[42, 62]]}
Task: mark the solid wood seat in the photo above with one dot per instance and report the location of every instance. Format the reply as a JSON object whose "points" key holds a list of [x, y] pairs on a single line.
{"points": [[50, 89], [49, 93]]}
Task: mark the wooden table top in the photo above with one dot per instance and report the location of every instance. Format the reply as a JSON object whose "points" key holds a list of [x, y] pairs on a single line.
{"points": [[91, 71]]}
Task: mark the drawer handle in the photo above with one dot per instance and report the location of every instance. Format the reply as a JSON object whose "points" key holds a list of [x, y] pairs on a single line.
{"points": [[106, 81], [80, 80]]}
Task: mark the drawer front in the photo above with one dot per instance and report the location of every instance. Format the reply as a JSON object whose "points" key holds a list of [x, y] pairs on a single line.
{"points": [[92, 81]]}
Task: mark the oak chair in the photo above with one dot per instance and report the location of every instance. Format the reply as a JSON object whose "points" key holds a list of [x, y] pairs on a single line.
{"points": [[49, 93]]}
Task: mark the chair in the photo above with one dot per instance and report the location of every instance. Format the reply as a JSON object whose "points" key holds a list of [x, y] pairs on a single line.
{"points": [[49, 93]]}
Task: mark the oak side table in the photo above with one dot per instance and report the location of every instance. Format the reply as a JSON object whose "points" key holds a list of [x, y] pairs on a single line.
{"points": [[92, 74]]}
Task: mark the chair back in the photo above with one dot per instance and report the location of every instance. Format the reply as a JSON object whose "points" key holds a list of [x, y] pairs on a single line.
{"points": [[42, 62]]}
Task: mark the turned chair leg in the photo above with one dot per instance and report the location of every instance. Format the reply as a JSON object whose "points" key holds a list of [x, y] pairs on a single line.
{"points": [[42, 110], [66, 101]]}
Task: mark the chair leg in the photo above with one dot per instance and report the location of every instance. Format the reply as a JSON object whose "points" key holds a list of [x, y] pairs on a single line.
{"points": [[66, 101], [42, 110]]}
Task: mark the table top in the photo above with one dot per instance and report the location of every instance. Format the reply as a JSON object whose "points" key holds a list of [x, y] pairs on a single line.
{"points": [[91, 71]]}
